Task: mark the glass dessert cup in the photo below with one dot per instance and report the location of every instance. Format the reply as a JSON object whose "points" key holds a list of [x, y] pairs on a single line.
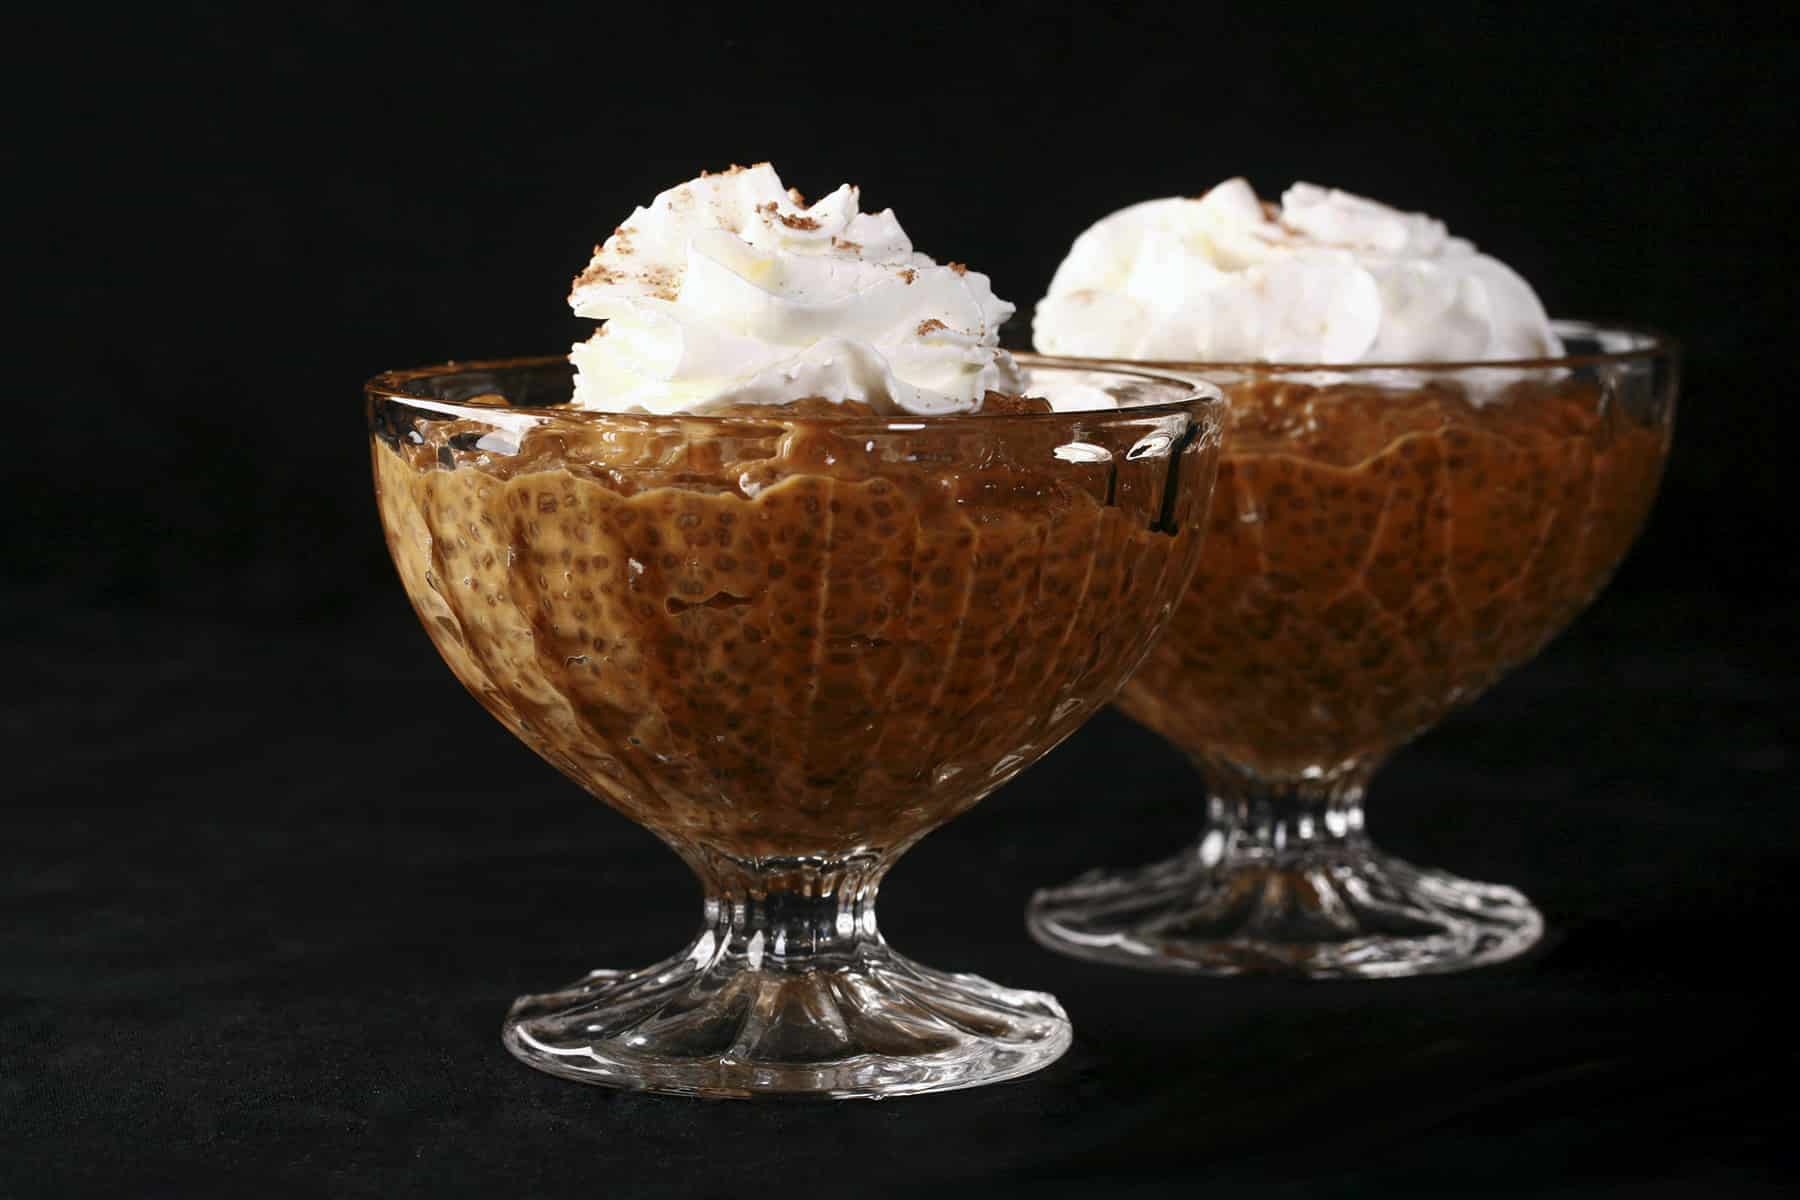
{"points": [[790, 642], [1384, 543]]}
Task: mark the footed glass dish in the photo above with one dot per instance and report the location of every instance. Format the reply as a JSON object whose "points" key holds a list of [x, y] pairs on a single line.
{"points": [[790, 641], [1384, 543]]}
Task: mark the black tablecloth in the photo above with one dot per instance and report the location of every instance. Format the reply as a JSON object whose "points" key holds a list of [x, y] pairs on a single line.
{"points": [[268, 892]]}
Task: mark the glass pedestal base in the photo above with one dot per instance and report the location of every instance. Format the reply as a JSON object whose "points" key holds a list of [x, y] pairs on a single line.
{"points": [[1355, 913], [710, 1023]]}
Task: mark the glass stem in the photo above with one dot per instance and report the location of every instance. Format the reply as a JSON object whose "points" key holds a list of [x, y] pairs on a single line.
{"points": [[1270, 822], [789, 914]]}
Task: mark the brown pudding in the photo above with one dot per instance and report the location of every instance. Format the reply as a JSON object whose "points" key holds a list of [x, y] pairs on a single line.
{"points": [[1376, 556], [796, 631]]}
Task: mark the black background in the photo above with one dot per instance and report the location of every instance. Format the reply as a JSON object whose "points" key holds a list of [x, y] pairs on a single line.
{"points": [[270, 879]]}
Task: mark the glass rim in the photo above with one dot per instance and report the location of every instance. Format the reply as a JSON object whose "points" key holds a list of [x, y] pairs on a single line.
{"points": [[1647, 343], [392, 386]]}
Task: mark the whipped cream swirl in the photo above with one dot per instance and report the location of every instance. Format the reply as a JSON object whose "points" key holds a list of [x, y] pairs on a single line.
{"points": [[1327, 277], [730, 289]]}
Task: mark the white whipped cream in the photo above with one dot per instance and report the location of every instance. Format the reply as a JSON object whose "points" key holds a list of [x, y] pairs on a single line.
{"points": [[728, 289], [1326, 278]]}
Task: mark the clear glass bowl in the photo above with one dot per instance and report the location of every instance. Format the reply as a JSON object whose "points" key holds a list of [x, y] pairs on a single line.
{"points": [[1384, 543], [790, 642]]}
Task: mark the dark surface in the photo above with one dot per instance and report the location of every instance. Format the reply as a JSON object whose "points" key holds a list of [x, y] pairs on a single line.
{"points": [[270, 879], [269, 895]]}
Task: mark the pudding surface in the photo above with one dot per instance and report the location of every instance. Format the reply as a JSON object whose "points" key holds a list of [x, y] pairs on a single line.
{"points": [[793, 634], [1376, 555]]}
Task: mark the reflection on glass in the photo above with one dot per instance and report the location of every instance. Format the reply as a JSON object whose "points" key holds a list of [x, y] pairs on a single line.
{"points": [[1384, 543], [790, 642]]}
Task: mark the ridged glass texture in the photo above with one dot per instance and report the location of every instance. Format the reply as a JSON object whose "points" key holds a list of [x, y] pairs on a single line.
{"points": [[1384, 543], [790, 642]]}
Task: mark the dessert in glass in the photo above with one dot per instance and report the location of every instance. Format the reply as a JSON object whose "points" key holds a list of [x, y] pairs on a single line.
{"points": [[1424, 479], [790, 566]]}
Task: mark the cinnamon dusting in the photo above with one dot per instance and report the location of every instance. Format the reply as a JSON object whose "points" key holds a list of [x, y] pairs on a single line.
{"points": [[795, 222], [596, 273]]}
